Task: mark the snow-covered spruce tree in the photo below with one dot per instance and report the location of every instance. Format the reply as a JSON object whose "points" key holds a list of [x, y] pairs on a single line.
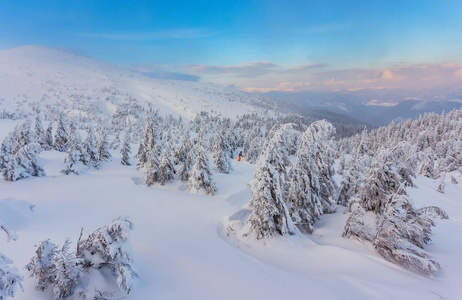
{"points": [[381, 181], [150, 145], [39, 131], [5, 154], [254, 150], [182, 153], [269, 215], [10, 278], [72, 164], [126, 150], [63, 270], [153, 170], [91, 148], [312, 186], [200, 175], [166, 165], [102, 146], [25, 163], [109, 248], [21, 136], [69, 272], [42, 265], [61, 135], [48, 138], [403, 233], [188, 163], [277, 149], [222, 161]]}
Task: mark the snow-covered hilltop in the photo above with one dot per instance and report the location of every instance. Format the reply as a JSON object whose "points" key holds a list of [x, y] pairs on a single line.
{"points": [[49, 76]]}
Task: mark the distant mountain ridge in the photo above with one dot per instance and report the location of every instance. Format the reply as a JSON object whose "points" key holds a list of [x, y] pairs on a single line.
{"points": [[363, 104]]}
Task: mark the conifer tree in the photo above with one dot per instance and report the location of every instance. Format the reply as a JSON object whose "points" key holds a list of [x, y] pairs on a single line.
{"points": [[102, 146], [10, 278], [269, 211], [91, 148], [126, 149], [48, 138], [25, 163], [39, 131], [61, 135], [311, 185], [166, 166], [200, 175]]}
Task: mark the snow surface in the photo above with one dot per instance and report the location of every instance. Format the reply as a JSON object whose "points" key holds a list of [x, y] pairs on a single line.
{"points": [[182, 250]]}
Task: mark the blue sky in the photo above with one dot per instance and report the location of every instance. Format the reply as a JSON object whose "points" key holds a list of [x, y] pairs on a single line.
{"points": [[256, 45]]}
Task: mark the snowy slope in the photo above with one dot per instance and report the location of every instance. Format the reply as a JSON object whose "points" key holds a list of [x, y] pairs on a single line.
{"points": [[33, 73], [182, 251]]}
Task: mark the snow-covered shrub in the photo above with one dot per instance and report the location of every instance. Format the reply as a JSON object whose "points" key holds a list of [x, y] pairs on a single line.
{"points": [[42, 265], [64, 271], [109, 247], [25, 163], [10, 279], [403, 233]]}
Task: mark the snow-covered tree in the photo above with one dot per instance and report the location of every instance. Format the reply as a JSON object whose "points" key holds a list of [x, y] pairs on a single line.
{"points": [[42, 265], [25, 163], [39, 131], [182, 153], [102, 146], [126, 149], [68, 271], [403, 233], [91, 148], [166, 166], [61, 135], [312, 186], [48, 138], [269, 215], [200, 175], [109, 248], [5, 154], [65, 271], [10, 279]]}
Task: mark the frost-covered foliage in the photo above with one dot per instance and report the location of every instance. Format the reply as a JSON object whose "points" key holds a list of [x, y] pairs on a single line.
{"points": [[10, 279], [403, 233], [311, 188], [200, 176], [65, 271]]}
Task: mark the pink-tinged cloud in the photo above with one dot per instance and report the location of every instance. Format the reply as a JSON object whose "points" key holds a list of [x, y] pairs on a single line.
{"points": [[376, 102], [263, 76]]}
